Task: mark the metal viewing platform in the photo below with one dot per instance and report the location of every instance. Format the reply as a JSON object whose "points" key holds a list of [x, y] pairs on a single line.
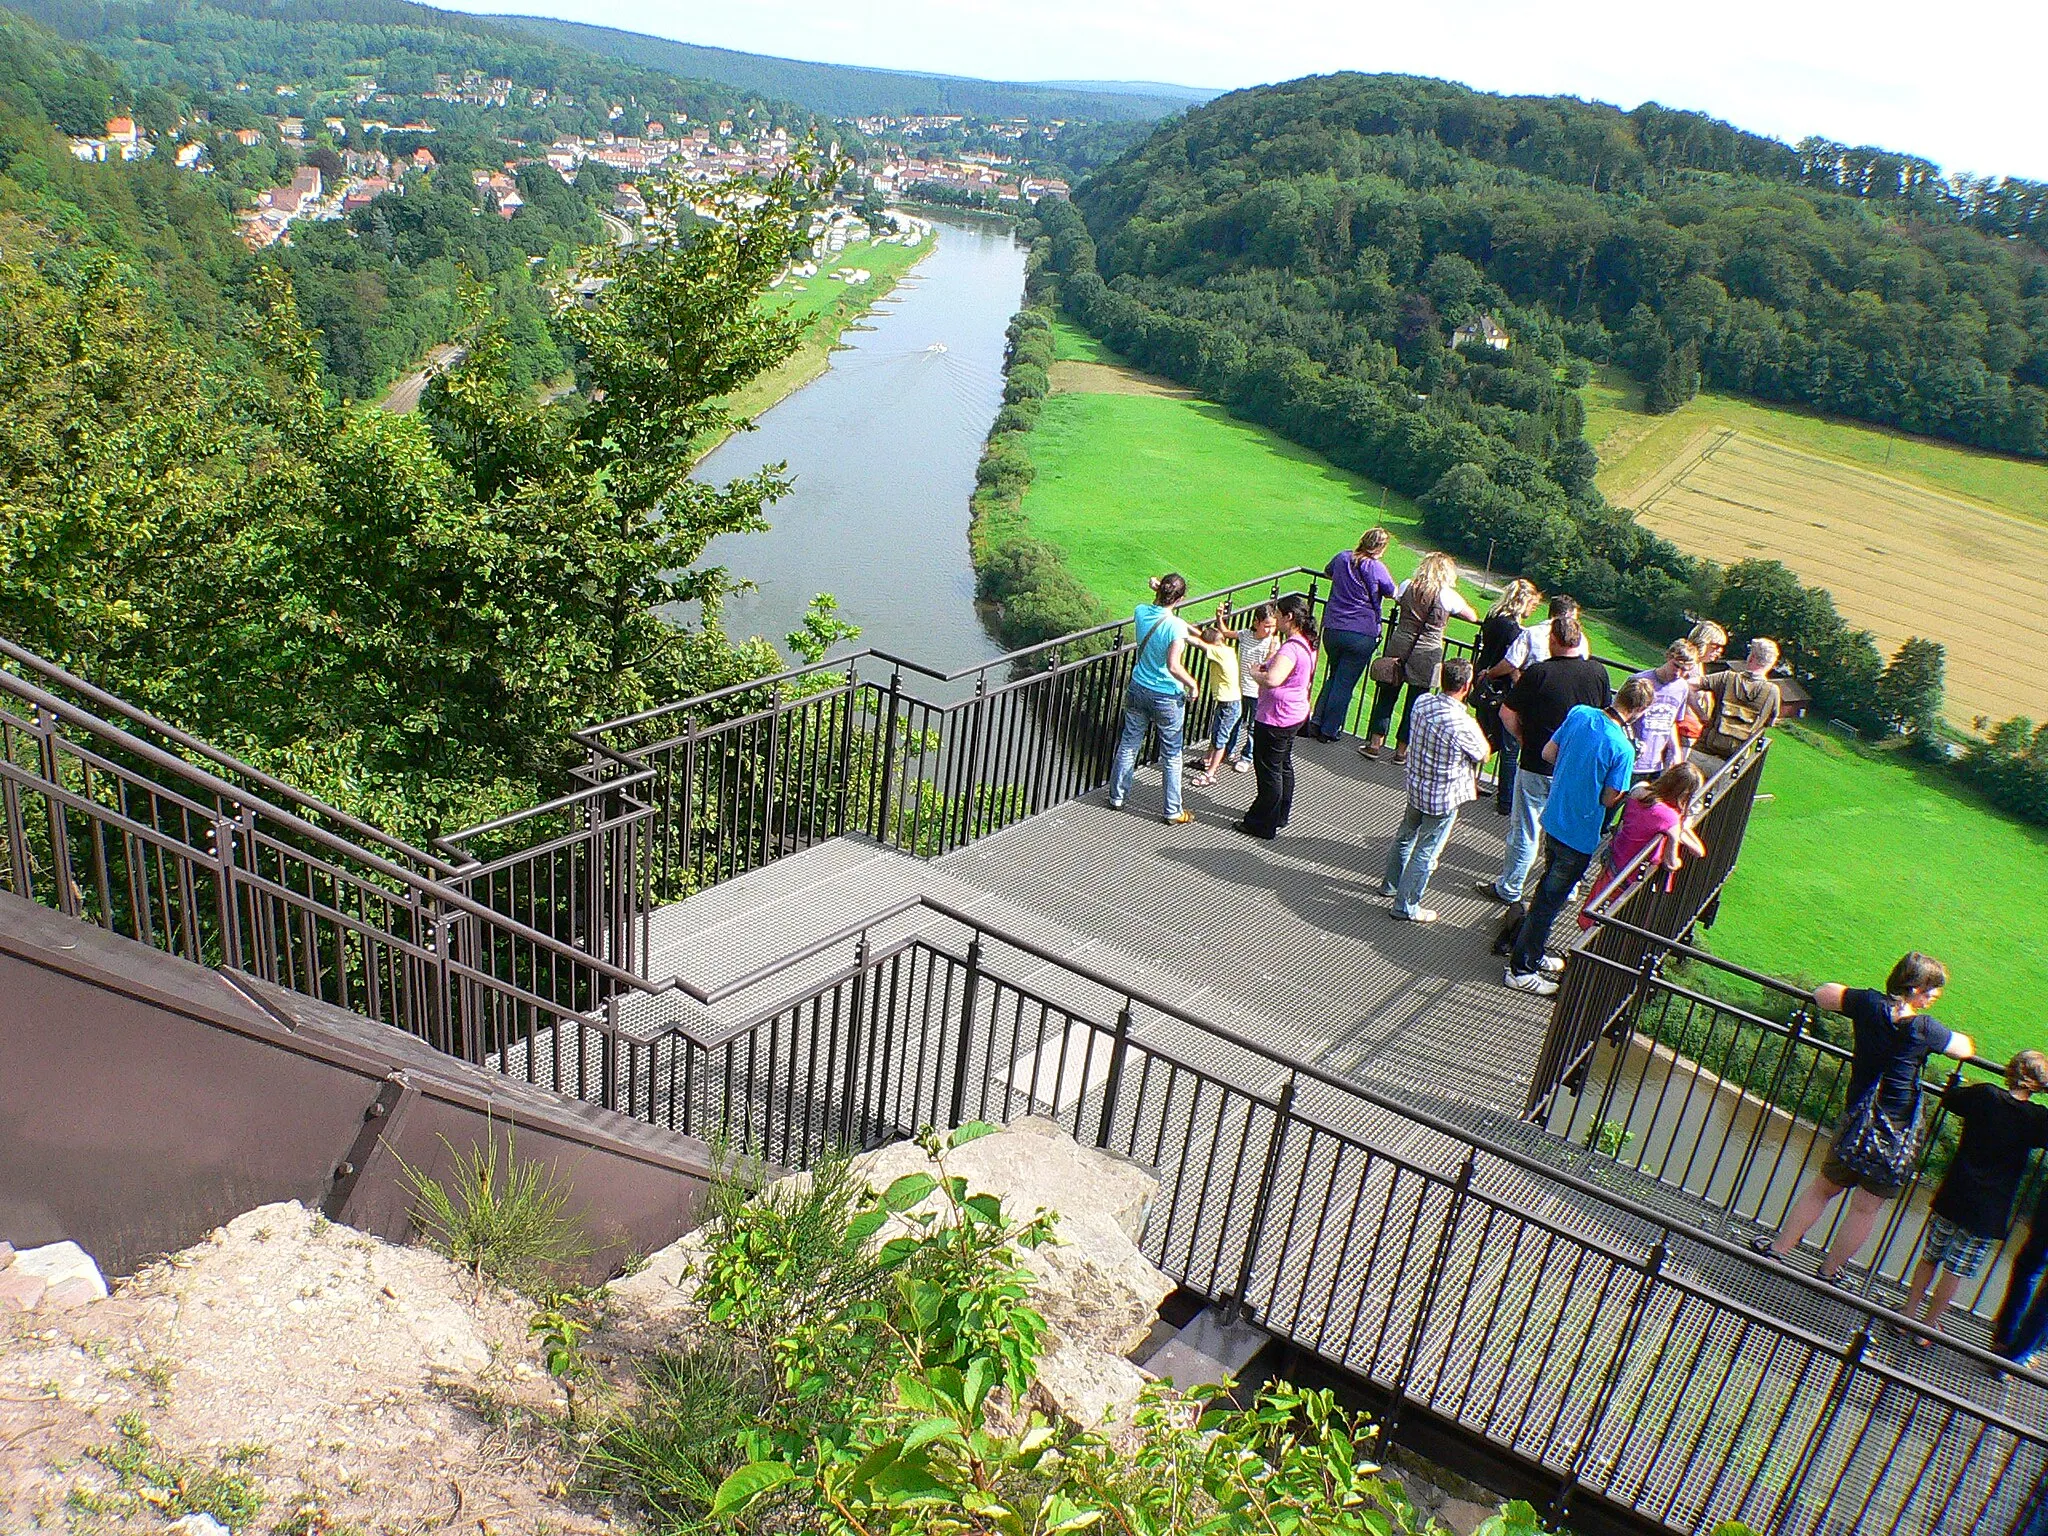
{"points": [[835, 906]]}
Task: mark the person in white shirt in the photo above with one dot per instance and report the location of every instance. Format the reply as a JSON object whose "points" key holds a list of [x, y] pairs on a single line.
{"points": [[1534, 643]]}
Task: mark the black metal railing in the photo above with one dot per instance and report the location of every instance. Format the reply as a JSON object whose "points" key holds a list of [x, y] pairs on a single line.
{"points": [[1592, 1333], [1726, 1107]]}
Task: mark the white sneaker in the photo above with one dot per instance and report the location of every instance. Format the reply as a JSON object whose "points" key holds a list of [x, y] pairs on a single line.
{"points": [[1242, 766], [1553, 965], [1533, 982], [1419, 915]]}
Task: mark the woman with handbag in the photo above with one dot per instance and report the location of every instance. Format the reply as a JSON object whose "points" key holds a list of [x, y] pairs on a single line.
{"points": [[1424, 605], [1872, 1156], [1360, 585], [1498, 632]]}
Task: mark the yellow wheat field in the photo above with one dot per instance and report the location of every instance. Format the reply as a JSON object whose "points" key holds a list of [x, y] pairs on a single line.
{"points": [[1900, 560]]}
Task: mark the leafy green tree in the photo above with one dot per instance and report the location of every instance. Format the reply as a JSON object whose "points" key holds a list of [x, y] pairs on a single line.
{"points": [[1909, 694]]}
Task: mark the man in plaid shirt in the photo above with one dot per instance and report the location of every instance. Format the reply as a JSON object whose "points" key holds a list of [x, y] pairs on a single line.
{"points": [[1444, 757]]}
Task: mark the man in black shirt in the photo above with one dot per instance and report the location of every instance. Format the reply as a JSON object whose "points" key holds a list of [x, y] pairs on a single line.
{"points": [[1973, 1208], [1533, 710]]}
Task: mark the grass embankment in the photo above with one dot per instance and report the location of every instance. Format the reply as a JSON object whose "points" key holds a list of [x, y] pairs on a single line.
{"points": [[1857, 856], [1135, 481], [827, 307]]}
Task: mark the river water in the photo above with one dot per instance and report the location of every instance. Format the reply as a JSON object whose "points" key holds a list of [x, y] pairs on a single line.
{"points": [[882, 448]]}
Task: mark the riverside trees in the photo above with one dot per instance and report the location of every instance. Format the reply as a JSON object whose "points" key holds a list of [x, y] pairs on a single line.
{"points": [[403, 614]]}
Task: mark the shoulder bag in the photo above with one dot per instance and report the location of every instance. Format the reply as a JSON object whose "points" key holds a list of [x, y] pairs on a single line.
{"points": [[1387, 669], [1876, 1144]]}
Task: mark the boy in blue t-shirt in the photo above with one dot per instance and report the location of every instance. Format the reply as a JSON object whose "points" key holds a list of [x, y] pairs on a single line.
{"points": [[1593, 759]]}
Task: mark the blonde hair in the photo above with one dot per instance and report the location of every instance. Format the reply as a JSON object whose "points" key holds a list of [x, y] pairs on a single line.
{"points": [[1515, 601], [1707, 633], [1373, 542], [2028, 1070], [1436, 574]]}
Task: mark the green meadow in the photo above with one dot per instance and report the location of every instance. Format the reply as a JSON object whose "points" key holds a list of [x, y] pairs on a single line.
{"points": [[1856, 856]]}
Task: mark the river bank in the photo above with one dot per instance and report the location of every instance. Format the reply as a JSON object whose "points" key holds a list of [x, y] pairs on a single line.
{"points": [[881, 447], [827, 306]]}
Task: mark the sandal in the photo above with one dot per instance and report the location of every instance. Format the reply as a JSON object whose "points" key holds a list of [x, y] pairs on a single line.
{"points": [[1202, 780]]}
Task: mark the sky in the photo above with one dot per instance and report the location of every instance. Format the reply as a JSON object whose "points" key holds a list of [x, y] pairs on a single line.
{"points": [[1957, 82]]}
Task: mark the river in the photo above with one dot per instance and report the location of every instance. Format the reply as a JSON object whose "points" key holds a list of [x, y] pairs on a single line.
{"points": [[882, 448]]}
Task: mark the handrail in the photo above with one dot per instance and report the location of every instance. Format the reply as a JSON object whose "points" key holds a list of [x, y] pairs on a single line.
{"points": [[101, 699]]}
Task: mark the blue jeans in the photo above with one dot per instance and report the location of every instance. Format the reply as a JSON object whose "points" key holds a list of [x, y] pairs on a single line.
{"points": [[1508, 766], [2023, 1319], [1562, 869], [1164, 712], [1350, 652], [1223, 730], [1412, 859], [1383, 697], [1525, 833]]}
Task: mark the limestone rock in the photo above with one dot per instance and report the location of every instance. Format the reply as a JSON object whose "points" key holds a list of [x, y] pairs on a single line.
{"points": [[20, 1292], [1097, 1290], [197, 1525], [56, 1263]]}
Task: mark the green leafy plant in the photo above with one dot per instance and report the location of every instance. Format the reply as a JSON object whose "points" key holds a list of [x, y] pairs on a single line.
{"points": [[153, 1478], [559, 1328], [501, 1219]]}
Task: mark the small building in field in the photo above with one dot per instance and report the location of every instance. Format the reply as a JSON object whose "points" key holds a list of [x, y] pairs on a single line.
{"points": [[1482, 332]]}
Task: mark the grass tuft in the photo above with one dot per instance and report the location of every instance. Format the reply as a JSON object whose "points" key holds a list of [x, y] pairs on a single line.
{"points": [[503, 1220]]}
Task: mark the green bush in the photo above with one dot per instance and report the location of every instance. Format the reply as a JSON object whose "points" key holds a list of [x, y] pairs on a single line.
{"points": [[1027, 381]]}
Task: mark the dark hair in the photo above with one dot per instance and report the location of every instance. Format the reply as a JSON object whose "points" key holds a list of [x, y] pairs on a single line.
{"points": [[1170, 588], [1296, 610], [1562, 605], [1916, 972], [1457, 674], [1565, 633]]}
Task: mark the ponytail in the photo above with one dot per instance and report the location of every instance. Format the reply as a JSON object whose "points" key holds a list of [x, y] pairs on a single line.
{"points": [[1301, 615]]}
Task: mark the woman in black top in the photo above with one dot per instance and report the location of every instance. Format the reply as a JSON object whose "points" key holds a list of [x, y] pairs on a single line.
{"points": [[1894, 1037], [1972, 1210], [1498, 631]]}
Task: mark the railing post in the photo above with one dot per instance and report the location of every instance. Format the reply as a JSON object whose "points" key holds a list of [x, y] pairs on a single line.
{"points": [[1439, 1264], [1283, 1111], [1112, 1089], [1575, 1475], [1795, 1030], [970, 1000], [224, 890], [888, 760], [68, 899], [770, 833], [608, 1054], [856, 1017], [977, 714], [1824, 1425], [1048, 730]]}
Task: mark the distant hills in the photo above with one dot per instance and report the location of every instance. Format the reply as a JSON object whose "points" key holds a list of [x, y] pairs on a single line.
{"points": [[845, 90]]}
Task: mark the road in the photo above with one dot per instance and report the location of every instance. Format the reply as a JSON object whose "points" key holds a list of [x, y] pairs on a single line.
{"points": [[405, 395]]}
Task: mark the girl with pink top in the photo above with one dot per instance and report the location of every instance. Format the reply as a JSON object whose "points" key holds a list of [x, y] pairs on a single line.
{"points": [[1283, 707], [1657, 811]]}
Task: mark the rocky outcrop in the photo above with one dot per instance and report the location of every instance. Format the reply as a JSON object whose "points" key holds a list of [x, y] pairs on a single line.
{"points": [[1099, 1293], [53, 1278]]}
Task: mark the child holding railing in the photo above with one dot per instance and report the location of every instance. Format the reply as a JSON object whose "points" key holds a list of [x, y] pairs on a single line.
{"points": [[1656, 811]]}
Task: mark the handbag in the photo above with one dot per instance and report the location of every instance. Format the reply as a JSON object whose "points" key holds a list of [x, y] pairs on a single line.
{"points": [[1876, 1144], [1388, 669]]}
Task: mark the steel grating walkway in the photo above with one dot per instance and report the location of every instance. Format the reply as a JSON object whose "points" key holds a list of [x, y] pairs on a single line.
{"points": [[1289, 945]]}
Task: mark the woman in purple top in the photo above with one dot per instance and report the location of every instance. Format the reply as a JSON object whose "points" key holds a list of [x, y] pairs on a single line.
{"points": [[1283, 706], [1360, 585]]}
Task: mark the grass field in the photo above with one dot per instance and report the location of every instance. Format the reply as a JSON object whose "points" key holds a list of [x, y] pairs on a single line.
{"points": [[1133, 481], [1943, 544], [1855, 858], [1858, 858]]}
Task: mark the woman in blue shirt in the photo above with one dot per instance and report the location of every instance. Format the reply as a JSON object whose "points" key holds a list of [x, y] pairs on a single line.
{"points": [[1158, 696], [1360, 585]]}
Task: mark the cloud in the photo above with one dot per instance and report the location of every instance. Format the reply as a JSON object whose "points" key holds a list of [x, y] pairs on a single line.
{"points": [[1924, 80]]}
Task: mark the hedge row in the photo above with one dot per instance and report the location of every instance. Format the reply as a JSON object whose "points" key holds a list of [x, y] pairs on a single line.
{"points": [[1033, 592]]}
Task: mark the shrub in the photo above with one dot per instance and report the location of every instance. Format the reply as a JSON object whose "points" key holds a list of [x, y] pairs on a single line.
{"points": [[504, 1221], [1027, 381]]}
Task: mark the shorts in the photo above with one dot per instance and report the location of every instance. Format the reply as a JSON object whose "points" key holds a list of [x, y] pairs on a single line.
{"points": [[1228, 713], [1835, 1171], [1951, 1248]]}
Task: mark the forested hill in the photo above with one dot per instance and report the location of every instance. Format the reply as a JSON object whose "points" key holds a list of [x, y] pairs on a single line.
{"points": [[1345, 215], [221, 45], [1305, 253], [844, 90]]}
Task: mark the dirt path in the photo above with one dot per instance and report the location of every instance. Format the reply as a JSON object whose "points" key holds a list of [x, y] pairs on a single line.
{"points": [[1109, 379]]}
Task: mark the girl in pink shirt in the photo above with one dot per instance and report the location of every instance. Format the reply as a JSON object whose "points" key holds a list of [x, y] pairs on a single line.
{"points": [[1657, 811]]}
